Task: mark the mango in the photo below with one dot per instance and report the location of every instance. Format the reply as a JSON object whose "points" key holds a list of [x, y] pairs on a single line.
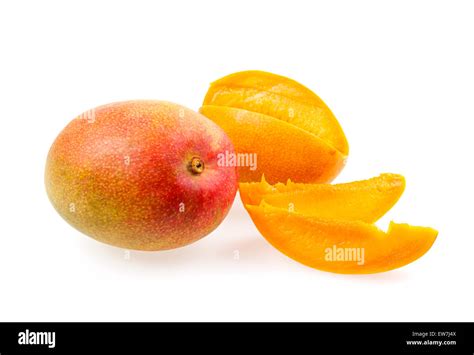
{"points": [[141, 175], [364, 200], [341, 246], [292, 132]]}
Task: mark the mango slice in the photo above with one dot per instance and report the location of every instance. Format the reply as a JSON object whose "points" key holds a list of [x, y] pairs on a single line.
{"points": [[365, 200], [280, 148], [345, 247], [240, 101]]}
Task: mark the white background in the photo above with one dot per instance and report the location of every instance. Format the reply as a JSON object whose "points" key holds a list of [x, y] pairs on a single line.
{"points": [[398, 75]]}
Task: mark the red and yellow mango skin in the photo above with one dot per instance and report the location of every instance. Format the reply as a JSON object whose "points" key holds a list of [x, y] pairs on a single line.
{"points": [[121, 174]]}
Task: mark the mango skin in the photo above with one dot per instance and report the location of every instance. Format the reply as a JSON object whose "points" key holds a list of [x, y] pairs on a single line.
{"points": [[120, 174]]}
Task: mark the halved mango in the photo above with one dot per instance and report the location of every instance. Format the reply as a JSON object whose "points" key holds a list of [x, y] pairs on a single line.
{"points": [[283, 151], [365, 200], [279, 97], [276, 118], [345, 247]]}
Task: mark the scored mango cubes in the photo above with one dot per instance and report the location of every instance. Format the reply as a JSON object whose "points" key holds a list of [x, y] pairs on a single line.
{"points": [[290, 129]]}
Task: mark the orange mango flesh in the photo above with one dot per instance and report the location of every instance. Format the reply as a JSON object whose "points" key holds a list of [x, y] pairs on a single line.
{"points": [[285, 125], [251, 193], [279, 97], [320, 242], [365, 200], [265, 81], [280, 147], [296, 137]]}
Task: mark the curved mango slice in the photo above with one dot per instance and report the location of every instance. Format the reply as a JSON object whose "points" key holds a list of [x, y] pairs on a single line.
{"points": [[345, 247], [281, 98], [278, 146], [365, 200]]}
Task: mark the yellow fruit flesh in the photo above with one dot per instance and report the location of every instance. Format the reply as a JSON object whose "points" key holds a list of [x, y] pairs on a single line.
{"points": [[282, 160], [365, 200], [310, 240], [318, 120], [273, 117]]}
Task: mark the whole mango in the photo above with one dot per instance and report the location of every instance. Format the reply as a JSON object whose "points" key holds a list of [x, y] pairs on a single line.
{"points": [[141, 175]]}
